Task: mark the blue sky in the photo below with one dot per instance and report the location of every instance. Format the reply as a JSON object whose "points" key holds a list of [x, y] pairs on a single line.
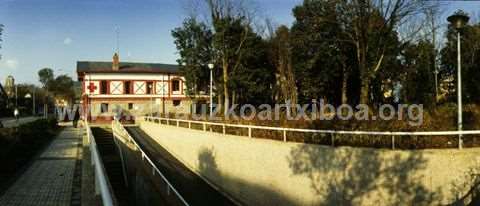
{"points": [[57, 33]]}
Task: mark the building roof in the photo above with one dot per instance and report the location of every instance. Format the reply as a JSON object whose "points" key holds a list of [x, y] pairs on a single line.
{"points": [[125, 67]]}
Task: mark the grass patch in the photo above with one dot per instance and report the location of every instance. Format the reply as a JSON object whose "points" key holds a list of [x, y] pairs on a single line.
{"points": [[19, 145]]}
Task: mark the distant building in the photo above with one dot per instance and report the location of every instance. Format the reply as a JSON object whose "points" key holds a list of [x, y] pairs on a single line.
{"points": [[3, 99], [135, 88], [10, 86]]}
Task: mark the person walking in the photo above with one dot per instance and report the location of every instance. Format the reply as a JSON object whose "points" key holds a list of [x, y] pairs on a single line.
{"points": [[16, 114], [76, 117]]}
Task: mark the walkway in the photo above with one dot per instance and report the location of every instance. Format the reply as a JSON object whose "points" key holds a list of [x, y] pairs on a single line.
{"points": [[49, 180], [12, 122]]}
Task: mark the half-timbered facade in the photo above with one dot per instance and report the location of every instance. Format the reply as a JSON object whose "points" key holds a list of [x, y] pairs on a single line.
{"points": [[135, 88]]}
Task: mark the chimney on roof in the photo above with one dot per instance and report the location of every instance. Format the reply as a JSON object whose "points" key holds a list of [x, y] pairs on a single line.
{"points": [[116, 62]]}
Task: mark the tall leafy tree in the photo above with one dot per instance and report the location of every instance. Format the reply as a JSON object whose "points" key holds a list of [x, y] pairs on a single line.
{"points": [[46, 77], [280, 56], [253, 79], [470, 57], [194, 44], [368, 25], [62, 87], [231, 26], [418, 65], [317, 54]]}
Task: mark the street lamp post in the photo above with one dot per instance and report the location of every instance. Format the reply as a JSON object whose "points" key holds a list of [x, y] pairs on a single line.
{"points": [[28, 96], [458, 21], [211, 66]]}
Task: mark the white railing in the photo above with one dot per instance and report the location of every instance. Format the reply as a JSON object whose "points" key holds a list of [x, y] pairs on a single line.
{"points": [[102, 184], [285, 130], [119, 130]]}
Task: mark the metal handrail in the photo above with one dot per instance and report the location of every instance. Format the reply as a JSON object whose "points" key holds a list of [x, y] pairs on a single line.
{"points": [[424, 133], [318, 131], [101, 180], [117, 125]]}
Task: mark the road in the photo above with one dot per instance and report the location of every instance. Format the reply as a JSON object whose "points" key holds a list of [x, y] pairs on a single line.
{"points": [[193, 188], [11, 122]]}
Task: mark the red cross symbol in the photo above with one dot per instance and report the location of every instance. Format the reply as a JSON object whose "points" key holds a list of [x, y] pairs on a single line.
{"points": [[91, 87]]}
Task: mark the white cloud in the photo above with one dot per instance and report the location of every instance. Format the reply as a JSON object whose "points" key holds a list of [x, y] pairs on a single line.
{"points": [[67, 41], [11, 63]]}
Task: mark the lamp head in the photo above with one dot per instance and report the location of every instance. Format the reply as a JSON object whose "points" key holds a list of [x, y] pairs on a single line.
{"points": [[459, 19], [210, 66]]}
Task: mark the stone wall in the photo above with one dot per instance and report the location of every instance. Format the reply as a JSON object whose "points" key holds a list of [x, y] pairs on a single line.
{"points": [[267, 172]]}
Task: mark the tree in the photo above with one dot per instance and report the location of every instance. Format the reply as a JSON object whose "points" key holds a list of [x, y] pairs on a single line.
{"points": [[63, 88], [45, 76], [253, 79], [281, 57], [470, 57], [231, 26], [193, 41], [319, 56], [368, 25], [418, 64]]}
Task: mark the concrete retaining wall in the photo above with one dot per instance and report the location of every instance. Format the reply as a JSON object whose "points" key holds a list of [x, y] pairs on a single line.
{"points": [[266, 172]]}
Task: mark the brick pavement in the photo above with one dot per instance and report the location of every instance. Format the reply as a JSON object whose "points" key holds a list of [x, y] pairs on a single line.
{"points": [[48, 180]]}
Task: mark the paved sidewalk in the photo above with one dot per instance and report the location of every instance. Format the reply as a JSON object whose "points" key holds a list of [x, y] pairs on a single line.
{"points": [[49, 179], [12, 122]]}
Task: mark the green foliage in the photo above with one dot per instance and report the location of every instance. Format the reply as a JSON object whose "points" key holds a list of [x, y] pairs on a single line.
{"points": [[194, 41], [252, 80], [340, 51], [23, 142], [46, 77], [470, 58], [250, 75], [317, 53], [61, 86], [419, 70]]}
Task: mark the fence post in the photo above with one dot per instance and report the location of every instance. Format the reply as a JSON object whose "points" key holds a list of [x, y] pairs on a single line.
{"points": [[284, 135], [223, 128], [178, 123], [249, 132], [393, 141], [189, 125], [204, 127], [333, 140]]}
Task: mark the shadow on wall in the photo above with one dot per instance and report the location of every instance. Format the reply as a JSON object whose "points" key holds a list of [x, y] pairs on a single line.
{"points": [[471, 186], [345, 176], [242, 191], [207, 164]]}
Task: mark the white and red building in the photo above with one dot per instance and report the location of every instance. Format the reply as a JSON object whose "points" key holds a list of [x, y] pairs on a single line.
{"points": [[135, 88]]}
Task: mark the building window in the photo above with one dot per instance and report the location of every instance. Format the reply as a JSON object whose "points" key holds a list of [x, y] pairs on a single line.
{"points": [[175, 85], [176, 102], [130, 106], [104, 108], [149, 87], [127, 87], [103, 87]]}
